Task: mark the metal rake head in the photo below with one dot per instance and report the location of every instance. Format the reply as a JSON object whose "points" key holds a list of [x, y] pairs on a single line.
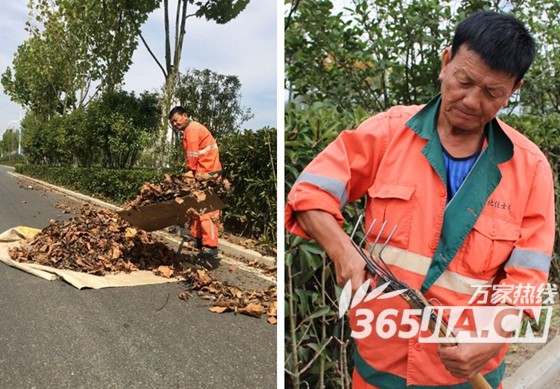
{"points": [[377, 266]]}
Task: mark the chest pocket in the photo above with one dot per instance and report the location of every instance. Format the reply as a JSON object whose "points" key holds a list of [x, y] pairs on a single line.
{"points": [[489, 245], [392, 203]]}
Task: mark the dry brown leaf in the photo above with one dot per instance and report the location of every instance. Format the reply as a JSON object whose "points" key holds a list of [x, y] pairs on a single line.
{"points": [[165, 271], [116, 252], [272, 309], [179, 200], [233, 268], [199, 196], [271, 320], [179, 185], [203, 276], [252, 309], [217, 309], [130, 232]]}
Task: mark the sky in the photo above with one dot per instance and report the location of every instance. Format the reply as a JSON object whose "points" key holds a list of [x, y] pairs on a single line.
{"points": [[244, 47]]}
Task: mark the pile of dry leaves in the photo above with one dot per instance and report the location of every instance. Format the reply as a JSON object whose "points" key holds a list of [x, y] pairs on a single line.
{"points": [[95, 242], [99, 242], [177, 186]]}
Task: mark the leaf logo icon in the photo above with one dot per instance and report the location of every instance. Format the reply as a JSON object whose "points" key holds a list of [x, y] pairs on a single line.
{"points": [[377, 291], [345, 297], [363, 295], [392, 294], [360, 293]]}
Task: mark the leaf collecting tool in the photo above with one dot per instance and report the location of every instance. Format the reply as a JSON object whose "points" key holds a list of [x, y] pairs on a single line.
{"points": [[413, 297]]}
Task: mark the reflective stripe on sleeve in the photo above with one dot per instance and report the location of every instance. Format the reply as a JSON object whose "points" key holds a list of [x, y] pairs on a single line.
{"points": [[334, 187], [528, 259], [207, 149], [201, 152]]}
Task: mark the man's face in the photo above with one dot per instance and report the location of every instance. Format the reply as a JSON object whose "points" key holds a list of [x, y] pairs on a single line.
{"points": [[178, 121], [472, 93]]}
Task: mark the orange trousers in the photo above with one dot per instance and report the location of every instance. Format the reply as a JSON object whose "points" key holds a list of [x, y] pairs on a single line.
{"points": [[205, 227]]}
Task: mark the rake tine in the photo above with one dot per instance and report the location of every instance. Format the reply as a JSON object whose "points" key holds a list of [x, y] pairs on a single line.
{"points": [[356, 226], [383, 248], [378, 236], [388, 239], [372, 265], [180, 248], [367, 232]]}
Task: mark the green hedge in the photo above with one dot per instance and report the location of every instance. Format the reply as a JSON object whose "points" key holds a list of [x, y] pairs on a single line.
{"points": [[118, 186], [12, 160]]}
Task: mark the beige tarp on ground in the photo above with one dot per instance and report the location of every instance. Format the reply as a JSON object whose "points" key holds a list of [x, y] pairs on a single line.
{"points": [[13, 237]]}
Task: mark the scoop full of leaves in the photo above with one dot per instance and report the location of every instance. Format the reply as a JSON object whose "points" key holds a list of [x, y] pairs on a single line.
{"points": [[173, 187]]}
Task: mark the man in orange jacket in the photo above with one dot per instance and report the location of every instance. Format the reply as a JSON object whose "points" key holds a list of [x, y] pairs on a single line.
{"points": [[473, 200], [201, 156]]}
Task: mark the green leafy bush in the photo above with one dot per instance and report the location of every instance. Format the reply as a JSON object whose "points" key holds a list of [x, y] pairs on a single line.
{"points": [[12, 159], [317, 343], [249, 162]]}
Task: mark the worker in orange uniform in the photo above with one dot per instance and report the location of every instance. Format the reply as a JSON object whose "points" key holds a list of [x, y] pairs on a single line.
{"points": [[472, 199], [201, 156]]}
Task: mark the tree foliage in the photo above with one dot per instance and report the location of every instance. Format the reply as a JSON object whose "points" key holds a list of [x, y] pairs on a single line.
{"points": [[9, 142], [213, 99], [123, 125], [249, 162], [37, 80], [540, 93], [220, 11], [73, 45], [375, 54], [369, 55], [111, 131]]}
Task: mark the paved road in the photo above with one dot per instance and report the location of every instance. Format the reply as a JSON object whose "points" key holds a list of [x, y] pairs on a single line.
{"points": [[55, 336]]}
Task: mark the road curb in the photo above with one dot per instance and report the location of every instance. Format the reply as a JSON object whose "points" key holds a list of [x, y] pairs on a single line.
{"points": [[223, 245], [538, 371], [233, 249]]}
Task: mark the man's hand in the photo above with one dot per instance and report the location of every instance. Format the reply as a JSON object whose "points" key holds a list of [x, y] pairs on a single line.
{"points": [[323, 227], [467, 359], [350, 266]]}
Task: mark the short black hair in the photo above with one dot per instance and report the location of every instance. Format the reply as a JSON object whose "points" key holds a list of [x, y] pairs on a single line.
{"points": [[178, 109], [500, 40]]}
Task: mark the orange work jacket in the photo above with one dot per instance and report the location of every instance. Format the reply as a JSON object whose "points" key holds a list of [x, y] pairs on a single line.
{"points": [[201, 150], [497, 229]]}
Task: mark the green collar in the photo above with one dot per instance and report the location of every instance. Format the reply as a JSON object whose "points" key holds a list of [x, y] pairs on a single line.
{"points": [[424, 123]]}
